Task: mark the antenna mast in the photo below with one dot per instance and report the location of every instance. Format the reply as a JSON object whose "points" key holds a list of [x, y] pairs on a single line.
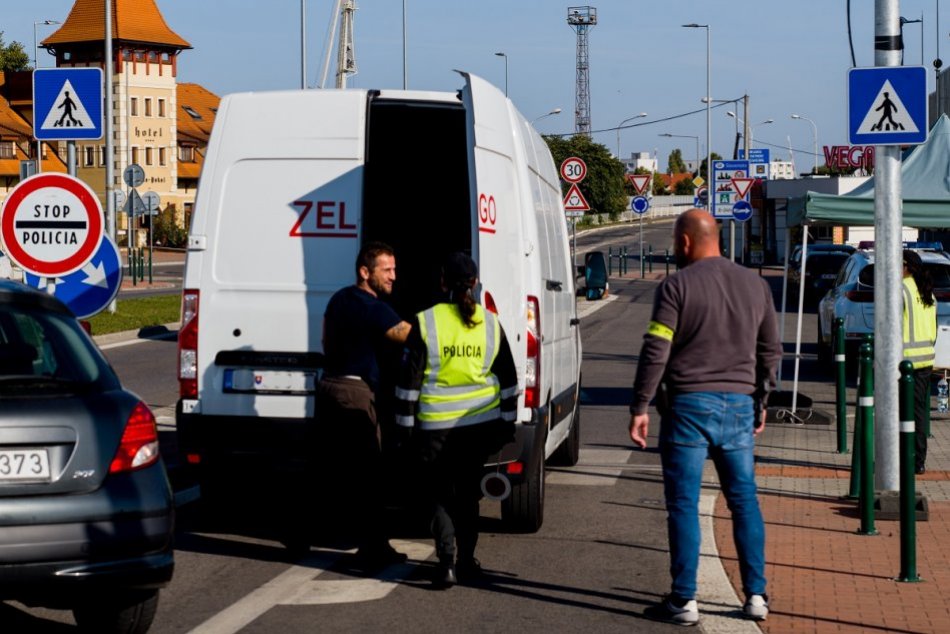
{"points": [[581, 19], [346, 56]]}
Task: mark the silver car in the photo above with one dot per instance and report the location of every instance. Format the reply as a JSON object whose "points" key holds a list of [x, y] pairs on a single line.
{"points": [[852, 298], [86, 510]]}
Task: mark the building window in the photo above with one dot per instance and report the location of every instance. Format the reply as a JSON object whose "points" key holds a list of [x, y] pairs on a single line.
{"points": [[186, 154], [148, 156], [148, 107], [135, 155], [161, 107], [192, 112], [134, 106], [7, 149], [89, 156], [102, 156], [161, 156]]}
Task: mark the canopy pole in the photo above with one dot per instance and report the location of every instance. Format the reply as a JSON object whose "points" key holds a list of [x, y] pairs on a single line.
{"points": [[801, 307], [781, 336]]}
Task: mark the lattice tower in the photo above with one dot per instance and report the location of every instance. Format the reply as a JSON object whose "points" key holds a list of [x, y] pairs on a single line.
{"points": [[581, 19]]}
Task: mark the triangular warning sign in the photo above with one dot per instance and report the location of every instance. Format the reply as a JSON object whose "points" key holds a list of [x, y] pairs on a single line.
{"points": [[639, 182], [574, 200], [67, 111], [887, 114], [742, 186], [134, 205]]}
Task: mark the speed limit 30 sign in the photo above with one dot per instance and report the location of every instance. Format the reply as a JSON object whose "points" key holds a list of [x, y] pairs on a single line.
{"points": [[573, 169], [51, 224]]}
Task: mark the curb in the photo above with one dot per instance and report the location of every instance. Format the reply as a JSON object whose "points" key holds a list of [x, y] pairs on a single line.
{"points": [[149, 332]]}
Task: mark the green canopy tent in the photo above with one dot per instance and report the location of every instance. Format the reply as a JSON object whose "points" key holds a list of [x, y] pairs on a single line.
{"points": [[925, 193]]}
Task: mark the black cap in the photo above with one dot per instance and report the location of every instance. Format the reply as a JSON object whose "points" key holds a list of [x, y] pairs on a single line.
{"points": [[459, 270]]}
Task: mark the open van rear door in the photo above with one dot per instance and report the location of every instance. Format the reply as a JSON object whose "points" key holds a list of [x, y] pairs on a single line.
{"points": [[497, 224]]}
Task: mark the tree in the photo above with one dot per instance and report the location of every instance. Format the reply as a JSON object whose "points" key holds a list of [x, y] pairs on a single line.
{"points": [[604, 186], [684, 187], [703, 171], [13, 57], [677, 166]]}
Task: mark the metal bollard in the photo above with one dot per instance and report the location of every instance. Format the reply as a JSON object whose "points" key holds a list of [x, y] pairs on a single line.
{"points": [[623, 260], [642, 265], [610, 261], [132, 265], [866, 404], [141, 265], [841, 392], [651, 258], [667, 259], [908, 485]]}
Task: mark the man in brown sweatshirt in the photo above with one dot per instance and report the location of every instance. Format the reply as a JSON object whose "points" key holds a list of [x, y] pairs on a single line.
{"points": [[713, 343]]}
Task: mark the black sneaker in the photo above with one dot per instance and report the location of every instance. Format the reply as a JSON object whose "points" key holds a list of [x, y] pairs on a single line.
{"points": [[469, 569], [674, 610], [444, 577]]}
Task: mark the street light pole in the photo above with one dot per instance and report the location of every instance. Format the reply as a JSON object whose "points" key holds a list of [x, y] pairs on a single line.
{"points": [[303, 44], [708, 99], [620, 125], [553, 112], [751, 127], [505, 55], [36, 64], [687, 136], [814, 129]]}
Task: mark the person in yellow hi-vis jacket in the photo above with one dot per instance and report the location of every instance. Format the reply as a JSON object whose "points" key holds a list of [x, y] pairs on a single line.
{"points": [[457, 396], [920, 334]]}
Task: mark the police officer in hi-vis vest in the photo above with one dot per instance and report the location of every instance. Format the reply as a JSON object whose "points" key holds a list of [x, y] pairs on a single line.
{"points": [[919, 334], [457, 395]]}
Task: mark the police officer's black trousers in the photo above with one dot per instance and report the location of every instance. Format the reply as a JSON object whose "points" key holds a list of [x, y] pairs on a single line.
{"points": [[451, 472], [921, 405]]}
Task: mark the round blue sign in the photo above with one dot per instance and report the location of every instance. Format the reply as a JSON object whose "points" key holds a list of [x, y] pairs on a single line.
{"points": [[741, 211], [92, 288], [640, 204]]}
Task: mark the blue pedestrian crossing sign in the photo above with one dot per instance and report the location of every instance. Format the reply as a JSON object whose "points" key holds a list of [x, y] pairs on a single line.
{"points": [[92, 288], [67, 104], [887, 105]]}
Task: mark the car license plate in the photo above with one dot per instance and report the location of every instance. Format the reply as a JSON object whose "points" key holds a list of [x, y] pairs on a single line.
{"points": [[272, 381], [24, 464], [829, 276]]}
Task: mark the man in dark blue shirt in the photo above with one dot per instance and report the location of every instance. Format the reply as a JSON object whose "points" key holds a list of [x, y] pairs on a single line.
{"points": [[358, 327]]}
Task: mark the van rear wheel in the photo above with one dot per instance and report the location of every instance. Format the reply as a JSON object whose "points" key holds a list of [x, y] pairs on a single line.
{"points": [[523, 510]]}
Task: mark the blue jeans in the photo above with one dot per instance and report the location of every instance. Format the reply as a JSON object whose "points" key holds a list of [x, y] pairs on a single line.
{"points": [[717, 425]]}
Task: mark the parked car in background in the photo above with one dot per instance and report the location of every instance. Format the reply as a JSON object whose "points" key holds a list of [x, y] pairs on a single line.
{"points": [[852, 298], [86, 509], [823, 263]]}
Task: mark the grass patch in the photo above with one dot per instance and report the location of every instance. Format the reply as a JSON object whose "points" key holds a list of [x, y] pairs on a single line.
{"points": [[138, 313]]}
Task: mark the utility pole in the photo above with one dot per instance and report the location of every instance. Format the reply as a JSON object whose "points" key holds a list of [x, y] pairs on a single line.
{"points": [[581, 19]]}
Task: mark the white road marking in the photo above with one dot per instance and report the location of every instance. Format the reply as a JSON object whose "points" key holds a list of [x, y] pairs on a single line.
{"points": [[596, 467], [586, 308], [299, 585]]}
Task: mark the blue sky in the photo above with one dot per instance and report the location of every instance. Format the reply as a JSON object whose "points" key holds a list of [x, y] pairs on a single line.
{"points": [[789, 57]]}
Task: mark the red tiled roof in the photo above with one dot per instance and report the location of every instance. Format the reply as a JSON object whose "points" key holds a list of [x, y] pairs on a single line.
{"points": [[670, 180], [202, 102], [132, 21]]}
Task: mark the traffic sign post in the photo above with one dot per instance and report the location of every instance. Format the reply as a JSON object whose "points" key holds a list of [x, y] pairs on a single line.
{"points": [[742, 210], [51, 224], [724, 194], [701, 199], [887, 105], [91, 289], [639, 182], [67, 104]]}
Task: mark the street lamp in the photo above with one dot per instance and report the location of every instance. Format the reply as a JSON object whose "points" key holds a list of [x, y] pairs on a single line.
{"points": [[751, 127], [687, 136], [506, 70], [620, 125], [921, 21], [708, 99], [553, 112], [36, 64], [814, 129]]}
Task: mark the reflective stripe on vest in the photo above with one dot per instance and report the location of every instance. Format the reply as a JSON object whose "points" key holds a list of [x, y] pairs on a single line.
{"points": [[458, 387], [919, 328]]}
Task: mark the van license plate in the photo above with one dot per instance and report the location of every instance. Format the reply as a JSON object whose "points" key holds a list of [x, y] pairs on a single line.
{"points": [[24, 464], [270, 381]]}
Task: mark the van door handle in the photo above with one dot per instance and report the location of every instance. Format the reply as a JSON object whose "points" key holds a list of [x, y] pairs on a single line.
{"points": [[554, 285], [575, 321]]}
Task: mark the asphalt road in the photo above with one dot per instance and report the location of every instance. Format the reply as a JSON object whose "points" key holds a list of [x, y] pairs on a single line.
{"points": [[598, 560]]}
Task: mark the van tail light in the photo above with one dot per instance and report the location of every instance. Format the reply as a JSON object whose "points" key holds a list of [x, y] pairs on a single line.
{"points": [[489, 302], [139, 445], [188, 345], [942, 296], [860, 296], [532, 383]]}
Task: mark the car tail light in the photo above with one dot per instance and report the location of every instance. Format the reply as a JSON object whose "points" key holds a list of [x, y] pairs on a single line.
{"points": [[532, 383], [188, 345], [514, 468], [139, 445], [942, 296], [860, 296]]}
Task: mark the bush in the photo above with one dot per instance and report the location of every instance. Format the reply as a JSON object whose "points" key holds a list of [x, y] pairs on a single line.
{"points": [[166, 231]]}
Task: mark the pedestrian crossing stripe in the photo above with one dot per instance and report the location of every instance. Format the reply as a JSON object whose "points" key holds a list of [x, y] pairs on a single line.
{"points": [[887, 114], [67, 111]]}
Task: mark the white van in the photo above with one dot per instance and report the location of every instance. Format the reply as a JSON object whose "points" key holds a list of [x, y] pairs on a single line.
{"points": [[293, 184]]}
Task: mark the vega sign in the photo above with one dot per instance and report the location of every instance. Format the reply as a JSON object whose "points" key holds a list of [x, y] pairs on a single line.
{"points": [[844, 157]]}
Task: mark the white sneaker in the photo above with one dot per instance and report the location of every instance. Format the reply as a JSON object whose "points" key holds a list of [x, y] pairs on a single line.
{"points": [[668, 611], [757, 607]]}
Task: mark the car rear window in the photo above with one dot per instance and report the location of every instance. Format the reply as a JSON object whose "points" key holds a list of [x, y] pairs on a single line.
{"points": [[939, 273], [826, 262], [37, 346]]}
